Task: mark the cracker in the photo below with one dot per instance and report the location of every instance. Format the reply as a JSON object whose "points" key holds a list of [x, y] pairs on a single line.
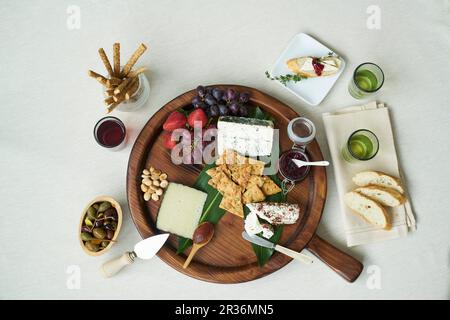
{"points": [[257, 180], [240, 173], [233, 205], [253, 194], [269, 187]]}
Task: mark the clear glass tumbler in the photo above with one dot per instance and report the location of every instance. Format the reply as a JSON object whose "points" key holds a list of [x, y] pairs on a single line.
{"points": [[367, 79]]}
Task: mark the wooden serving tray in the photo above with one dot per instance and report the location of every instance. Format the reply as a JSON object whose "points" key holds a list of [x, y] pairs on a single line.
{"points": [[228, 258]]}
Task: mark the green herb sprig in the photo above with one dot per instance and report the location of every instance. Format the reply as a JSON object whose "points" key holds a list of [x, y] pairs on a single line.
{"points": [[284, 79]]}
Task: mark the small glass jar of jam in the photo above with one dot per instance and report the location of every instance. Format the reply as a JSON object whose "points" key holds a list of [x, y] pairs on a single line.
{"points": [[301, 132]]}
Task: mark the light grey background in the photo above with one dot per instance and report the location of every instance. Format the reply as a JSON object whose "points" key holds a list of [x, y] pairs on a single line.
{"points": [[51, 166]]}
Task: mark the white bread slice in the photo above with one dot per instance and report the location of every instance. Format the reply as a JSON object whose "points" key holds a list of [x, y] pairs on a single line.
{"points": [[386, 196], [368, 209], [296, 64], [377, 178]]}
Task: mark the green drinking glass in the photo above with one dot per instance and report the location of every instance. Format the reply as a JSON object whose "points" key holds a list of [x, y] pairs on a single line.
{"points": [[367, 79], [362, 145]]}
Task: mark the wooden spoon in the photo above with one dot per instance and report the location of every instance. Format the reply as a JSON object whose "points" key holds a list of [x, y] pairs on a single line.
{"points": [[202, 235]]}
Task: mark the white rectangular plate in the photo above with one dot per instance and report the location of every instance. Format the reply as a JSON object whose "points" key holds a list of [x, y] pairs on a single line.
{"points": [[312, 90]]}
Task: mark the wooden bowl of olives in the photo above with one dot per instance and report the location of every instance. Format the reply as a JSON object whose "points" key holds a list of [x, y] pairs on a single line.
{"points": [[100, 225]]}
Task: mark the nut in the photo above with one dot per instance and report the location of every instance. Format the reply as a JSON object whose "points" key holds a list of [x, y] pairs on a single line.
{"points": [[156, 183], [147, 196], [159, 191], [144, 188], [158, 172], [155, 197], [147, 182], [163, 176], [154, 176], [151, 169], [146, 172], [145, 176], [163, 184]]}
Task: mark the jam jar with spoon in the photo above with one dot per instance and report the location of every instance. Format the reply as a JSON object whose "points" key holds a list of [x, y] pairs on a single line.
{"points": [[301, 132]]}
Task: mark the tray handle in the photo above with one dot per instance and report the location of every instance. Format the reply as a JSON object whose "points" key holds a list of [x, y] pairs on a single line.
{"points": [[346, 266]]}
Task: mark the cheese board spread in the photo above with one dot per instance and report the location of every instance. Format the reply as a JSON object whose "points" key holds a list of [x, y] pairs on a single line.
{"points": [[228, 190]]}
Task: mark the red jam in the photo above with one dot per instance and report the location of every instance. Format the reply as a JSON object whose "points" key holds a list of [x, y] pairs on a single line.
{"points": [[289, 169], [318, 67]]}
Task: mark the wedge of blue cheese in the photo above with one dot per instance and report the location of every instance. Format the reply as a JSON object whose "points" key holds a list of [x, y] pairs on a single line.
{"points": [[251, 137]]}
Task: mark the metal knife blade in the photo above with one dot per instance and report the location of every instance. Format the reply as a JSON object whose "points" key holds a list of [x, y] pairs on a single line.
{"points": [[147, 248], [257, 240]]}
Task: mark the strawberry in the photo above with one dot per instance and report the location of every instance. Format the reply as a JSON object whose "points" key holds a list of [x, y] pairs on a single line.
{"points": [[175, 120], [168, 142], [199, 116]]}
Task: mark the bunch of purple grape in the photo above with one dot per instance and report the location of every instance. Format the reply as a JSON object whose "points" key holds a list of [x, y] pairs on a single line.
{"points": [[217, 102]]}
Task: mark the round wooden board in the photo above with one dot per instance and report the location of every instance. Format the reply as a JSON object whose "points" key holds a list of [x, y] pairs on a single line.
{"points": [[227, 258]]}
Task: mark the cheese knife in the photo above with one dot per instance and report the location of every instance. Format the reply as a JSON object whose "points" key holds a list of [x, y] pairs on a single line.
{"points": [[267, 244], [144, 249]]}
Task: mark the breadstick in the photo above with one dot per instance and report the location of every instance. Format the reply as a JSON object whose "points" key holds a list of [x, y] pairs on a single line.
{"points": [[109, 100], [109, 92], [112, 107], [122, 86], [136, 55], [137, 72], [113, 82], [105, 61], [116, 50], [134, 85], [98, 77]]}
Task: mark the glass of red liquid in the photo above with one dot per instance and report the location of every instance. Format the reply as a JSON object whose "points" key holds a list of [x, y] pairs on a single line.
{"points": [[109, 132]]}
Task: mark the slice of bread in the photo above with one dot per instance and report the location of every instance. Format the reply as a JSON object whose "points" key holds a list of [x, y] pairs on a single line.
{"points": [[377, 178], [368, 209], [296, 64], [386, 196]]}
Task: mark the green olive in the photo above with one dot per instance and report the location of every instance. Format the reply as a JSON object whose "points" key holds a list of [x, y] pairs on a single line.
{"points": [[96, 205], [92, 213], [88, 222], [91, 246], [99, 233], [104, 206], [105, 243], [86, 236]]}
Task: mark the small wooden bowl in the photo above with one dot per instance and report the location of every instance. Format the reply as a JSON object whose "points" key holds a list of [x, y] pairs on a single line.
{"points": [[115, 205]]}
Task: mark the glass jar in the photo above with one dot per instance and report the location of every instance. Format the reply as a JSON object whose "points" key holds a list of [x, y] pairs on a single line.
{"points": [[138, 99], [301, 132]]}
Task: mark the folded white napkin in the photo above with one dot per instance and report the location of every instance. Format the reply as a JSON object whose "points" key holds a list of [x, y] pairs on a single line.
{"points": [[339, 125]]}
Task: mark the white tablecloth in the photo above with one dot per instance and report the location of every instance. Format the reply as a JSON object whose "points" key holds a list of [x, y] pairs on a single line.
{"points": [[50, 165]]}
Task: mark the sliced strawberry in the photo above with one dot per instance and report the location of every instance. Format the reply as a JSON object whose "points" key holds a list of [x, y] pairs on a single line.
{"points": [[175, 120], [197, 118]]}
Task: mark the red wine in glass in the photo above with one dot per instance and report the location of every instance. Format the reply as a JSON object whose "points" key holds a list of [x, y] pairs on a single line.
{"points": [[109, 132]]}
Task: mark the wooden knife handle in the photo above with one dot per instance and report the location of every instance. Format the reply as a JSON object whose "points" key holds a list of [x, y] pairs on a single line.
{"points": [[110, 268], [346, 266]]}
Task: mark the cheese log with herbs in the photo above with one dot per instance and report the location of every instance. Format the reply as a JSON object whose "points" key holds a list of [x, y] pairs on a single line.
{"points": [[180, 210], [252, 137], [276, 213], [253, 227]]}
